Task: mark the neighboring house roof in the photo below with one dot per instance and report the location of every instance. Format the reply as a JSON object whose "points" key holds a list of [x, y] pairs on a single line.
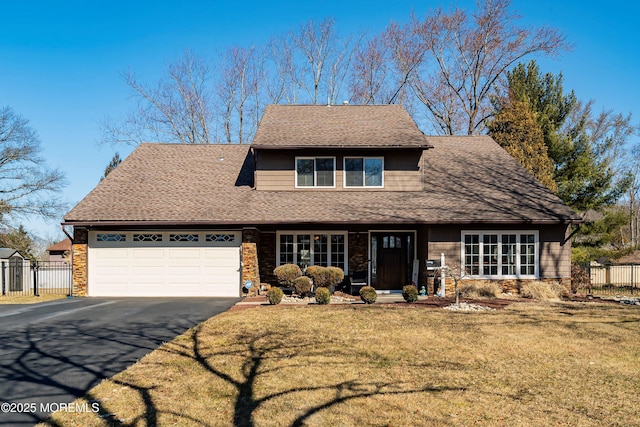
{"points": [[6, 253], [328, 126], [466, 179], [63, 245]]}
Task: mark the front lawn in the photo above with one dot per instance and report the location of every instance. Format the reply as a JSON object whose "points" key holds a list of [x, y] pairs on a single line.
{"points": [[530, 364]]}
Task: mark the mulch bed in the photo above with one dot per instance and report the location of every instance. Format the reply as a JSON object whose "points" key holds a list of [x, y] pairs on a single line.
{"points": [[431, 302]]}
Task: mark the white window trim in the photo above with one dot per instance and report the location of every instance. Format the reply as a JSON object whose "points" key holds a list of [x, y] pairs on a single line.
{"points": [[344, 172], [500, 233], [295, 233], [315, 171]]}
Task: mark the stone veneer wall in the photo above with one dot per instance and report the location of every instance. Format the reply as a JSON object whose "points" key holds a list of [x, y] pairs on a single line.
{"points": [[250, 267], [79, 262]]}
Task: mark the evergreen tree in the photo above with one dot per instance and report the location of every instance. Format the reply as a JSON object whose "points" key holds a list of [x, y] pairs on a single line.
{"points": [[578, 144], [516, 130], [115, 161]]}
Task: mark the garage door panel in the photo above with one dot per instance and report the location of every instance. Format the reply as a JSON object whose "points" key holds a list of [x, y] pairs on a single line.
{"points": [[151, 269], [147, 253]]}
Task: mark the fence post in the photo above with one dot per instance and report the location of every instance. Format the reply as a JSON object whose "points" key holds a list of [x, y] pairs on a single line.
{"points": [[4, 278], [34, 265]]}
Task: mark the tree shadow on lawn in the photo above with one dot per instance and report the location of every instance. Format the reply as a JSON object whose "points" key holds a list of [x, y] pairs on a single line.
{"points": [[51, 364], [257, 349]]}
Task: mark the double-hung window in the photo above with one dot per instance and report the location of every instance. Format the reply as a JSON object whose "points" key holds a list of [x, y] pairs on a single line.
{"points": [[363, 171], [497, 254], [312, 248], [315, 172]]}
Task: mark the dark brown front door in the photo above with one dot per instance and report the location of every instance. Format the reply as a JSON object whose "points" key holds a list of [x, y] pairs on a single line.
{"points": [[393, 255]]}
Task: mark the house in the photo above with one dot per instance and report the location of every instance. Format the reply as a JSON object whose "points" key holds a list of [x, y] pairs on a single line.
{"points": [[358, 187], [14, 266], [60, 251]]}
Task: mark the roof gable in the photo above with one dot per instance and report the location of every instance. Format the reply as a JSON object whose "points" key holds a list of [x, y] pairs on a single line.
{"points": [[466, 180], [333, 126]]}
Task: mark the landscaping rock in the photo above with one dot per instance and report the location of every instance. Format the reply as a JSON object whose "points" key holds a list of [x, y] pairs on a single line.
{"points": [[463, 306]]}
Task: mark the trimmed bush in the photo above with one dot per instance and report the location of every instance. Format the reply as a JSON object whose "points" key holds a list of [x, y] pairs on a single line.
{"points": [[541, 291], [480, 290], [274, 295], [302, 285], [368, 294], [319, 275], [287, 273], [335, 276], [323, 296], [410, 293]]}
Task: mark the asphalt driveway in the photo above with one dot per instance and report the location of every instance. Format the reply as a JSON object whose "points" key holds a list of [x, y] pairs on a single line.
{"points": [[53, 352]]}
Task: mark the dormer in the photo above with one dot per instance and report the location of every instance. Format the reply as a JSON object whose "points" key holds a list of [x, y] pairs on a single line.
{"points": [[338, 148]]}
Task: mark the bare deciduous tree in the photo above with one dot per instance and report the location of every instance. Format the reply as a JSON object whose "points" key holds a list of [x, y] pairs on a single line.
{"points": [[27, 185], [467, 54], [280, 73], [324, 59], [238, 91], [176, 109]]}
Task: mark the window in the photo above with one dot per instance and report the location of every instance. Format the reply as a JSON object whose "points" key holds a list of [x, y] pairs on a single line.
{"points": [[494, 254], [363, 171], [147, 237], [220, 237], [183, 237], [111, 238], [312, 248], [315, 172]]}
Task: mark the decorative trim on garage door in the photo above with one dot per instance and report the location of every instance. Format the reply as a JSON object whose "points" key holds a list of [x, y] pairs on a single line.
{"points": [[153, 238]]}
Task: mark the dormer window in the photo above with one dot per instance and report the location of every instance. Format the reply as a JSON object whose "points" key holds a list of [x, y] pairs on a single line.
{"points": [[363, 171], [315, 171]]}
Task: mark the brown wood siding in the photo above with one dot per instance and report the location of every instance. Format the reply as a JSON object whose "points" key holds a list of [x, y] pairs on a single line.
{"points": [[554, 252], [275, 169]]}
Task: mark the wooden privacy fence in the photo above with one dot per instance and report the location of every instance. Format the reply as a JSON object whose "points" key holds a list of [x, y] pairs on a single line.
{"points": [[614, 279], [36, 278]]}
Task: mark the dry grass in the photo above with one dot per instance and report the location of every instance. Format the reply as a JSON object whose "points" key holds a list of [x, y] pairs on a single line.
{"points": [[571, 364], [29, 299], [542, 291], [480, 290]]}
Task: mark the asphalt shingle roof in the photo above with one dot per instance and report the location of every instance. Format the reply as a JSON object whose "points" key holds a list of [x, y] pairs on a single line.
{"points": [[466, 180], [299, 126]]}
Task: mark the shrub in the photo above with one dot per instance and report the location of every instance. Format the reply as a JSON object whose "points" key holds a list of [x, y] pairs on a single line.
{"points": [[368, 294], [319, 275], [410, 293], [274, 295], [335, 276], [302, 285], [323, 296], [287, 273], [541, 291], [480, 290], [579, 278]]}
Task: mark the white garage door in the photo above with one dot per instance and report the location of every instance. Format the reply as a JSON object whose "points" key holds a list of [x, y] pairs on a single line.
{"points": [[176, 263]]}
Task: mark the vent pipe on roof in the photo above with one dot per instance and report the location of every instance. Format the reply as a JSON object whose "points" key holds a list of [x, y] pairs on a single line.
{"points": [[221, 157], [345, 102]]}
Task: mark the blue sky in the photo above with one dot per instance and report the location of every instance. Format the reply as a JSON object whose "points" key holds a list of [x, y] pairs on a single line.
{"points": [[60, 62]]}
